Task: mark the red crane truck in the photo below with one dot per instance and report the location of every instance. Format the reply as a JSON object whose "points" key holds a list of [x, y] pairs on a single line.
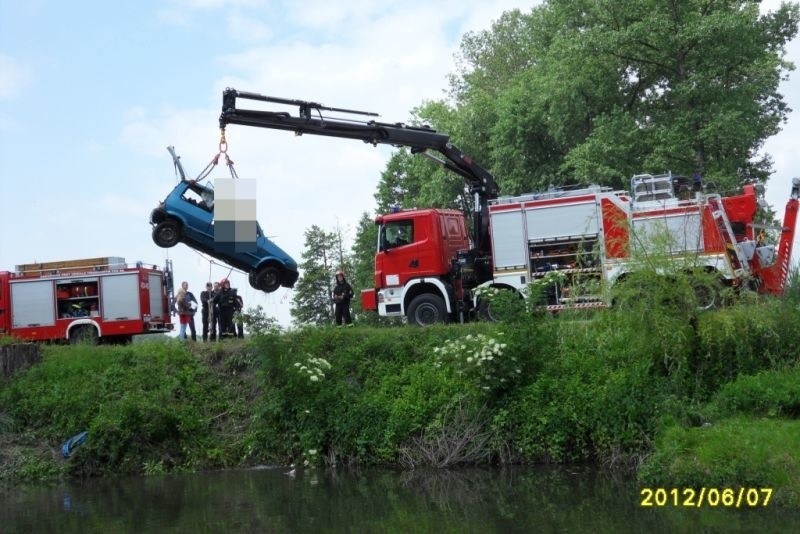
{"points": [[84, 300], [428, 265]]}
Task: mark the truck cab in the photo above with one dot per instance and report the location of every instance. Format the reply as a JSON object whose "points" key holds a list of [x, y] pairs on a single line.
{"points": [[414, 262]]}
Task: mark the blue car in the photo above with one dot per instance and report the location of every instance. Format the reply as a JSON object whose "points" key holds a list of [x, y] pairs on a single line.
{"points": [[187, 216]]}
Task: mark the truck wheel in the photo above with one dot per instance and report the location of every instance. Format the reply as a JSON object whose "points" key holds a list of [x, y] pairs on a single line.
{"points": [[706, 293], [487, 312], [166, 234], [426, 310], [83, 334], [268, 278]]}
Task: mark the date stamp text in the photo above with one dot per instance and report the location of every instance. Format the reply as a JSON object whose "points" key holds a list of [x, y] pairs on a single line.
{"points": [[741, 497]]}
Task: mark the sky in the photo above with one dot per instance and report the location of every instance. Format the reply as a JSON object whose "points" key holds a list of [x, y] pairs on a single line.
{"points": [[92, 92]]}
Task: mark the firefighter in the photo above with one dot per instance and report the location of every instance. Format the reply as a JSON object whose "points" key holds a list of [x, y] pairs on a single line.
{"points": [[342, 293], [239, 319], [226, 300], [213, 313], [205, 296]]}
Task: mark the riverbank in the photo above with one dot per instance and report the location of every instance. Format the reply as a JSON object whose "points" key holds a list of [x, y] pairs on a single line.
{"points": [[708, 401]]}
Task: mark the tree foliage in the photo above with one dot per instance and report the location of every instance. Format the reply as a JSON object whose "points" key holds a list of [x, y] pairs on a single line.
{"points": [[362, 270], [311, 303], [599, 90]]}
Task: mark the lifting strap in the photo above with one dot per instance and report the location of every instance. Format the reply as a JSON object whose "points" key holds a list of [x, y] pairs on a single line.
{"points": [[223, 151]]}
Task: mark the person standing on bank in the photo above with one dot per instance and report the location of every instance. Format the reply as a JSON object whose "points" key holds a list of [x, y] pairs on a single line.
{"points": [[204, 298], [213, 313], [239, 321], [191, 303], [226, 300], [182, 307], [342, 294]]}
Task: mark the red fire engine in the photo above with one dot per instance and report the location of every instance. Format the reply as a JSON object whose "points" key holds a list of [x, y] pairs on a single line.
{"points": [[428, 265], [598, 235], [84, 300]]}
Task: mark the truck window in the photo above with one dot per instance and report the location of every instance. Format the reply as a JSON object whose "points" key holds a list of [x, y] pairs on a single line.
{"points": [[396, 234]]}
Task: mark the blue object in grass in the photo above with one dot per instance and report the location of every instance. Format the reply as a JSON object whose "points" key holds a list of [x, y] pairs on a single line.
{"points": [[73, 443]]}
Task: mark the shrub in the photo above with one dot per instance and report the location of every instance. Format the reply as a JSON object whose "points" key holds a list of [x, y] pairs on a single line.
{"points": [[481, 359], [773, 393], [736, 452]]}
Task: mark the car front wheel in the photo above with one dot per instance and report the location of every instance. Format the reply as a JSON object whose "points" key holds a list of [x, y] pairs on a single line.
{"points": [[166, 234]]}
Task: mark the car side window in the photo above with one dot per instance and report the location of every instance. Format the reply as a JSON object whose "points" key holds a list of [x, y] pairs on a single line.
{"points": [[199, 198]]}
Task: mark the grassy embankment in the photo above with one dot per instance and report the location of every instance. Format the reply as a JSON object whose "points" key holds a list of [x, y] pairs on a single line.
{"points": [[706, 399]]}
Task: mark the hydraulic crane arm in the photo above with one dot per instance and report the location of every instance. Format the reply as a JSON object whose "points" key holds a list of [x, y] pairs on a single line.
{"points": [[310, 120]]}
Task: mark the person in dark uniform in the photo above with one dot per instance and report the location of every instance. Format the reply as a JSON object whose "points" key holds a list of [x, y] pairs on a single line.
{"points": [[205, 296], [213, 313], [240, 310], [226, 300], [342, 294]]}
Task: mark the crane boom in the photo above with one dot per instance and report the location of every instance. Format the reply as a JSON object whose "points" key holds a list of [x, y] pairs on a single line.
{"points": [[419, 139]]}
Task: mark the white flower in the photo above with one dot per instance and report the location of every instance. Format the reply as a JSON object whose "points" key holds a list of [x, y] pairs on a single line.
{"points": [[314, 378]]}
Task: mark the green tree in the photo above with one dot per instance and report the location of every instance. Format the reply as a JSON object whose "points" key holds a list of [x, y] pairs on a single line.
{"points": [[311, 303], [599, 90], [411, 181]]}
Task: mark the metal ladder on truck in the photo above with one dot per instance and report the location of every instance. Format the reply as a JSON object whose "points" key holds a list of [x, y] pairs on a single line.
{"points": [[733, 251]]}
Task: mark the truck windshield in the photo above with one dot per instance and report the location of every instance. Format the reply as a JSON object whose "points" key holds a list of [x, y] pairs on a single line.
{"points": [[396, 234]]}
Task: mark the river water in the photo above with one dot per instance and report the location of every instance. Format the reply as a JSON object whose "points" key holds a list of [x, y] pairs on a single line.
{"points": [[519, 499]]}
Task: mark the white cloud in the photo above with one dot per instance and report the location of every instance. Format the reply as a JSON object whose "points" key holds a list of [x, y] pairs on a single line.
{"points": [[14, 76], [248, 30]]}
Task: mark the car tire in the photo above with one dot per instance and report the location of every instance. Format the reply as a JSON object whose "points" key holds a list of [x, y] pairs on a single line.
{"points": [[427, 310], [251, 278], [268, 278], [167, 233]]}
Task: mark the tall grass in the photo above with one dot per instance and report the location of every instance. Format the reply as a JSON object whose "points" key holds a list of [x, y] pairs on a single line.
{"points": [[604, 388]]}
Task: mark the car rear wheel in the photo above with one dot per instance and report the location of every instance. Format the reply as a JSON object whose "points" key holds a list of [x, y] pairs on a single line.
{"points": [[167, 233], [268, 278]]}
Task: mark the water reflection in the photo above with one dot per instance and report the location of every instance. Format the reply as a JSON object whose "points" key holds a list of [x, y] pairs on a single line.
{"points": [[536, 499]]}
